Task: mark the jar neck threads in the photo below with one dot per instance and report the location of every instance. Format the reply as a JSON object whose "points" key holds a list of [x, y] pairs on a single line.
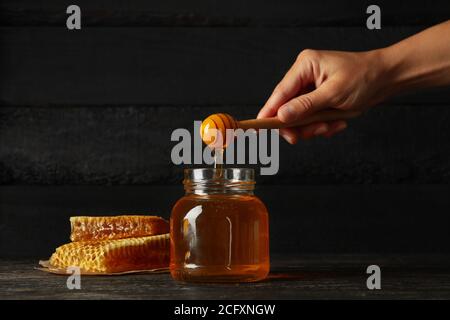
{"points": [[239, 181]]}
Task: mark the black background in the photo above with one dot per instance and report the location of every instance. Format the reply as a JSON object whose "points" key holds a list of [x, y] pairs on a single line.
{"points": [[86, 118]]}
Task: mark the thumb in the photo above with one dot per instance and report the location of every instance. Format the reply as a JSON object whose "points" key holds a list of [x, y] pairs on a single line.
{"points": [[306, 104]]}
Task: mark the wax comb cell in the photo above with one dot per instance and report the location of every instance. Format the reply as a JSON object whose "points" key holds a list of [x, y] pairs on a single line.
{"points": [[111, 256], [116, 227]]}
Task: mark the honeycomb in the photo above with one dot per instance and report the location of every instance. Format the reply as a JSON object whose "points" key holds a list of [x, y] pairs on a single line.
{"points": [[110, 256], [117, 227]]}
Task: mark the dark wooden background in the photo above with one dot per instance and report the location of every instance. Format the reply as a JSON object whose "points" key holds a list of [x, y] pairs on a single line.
{"points": [[86, 118]]}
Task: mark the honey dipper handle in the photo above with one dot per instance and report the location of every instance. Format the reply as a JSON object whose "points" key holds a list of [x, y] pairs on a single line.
{"points": [[274, 123]]}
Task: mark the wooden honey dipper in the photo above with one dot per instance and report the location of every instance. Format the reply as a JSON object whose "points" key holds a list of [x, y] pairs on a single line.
{"points": [[223, 121]]}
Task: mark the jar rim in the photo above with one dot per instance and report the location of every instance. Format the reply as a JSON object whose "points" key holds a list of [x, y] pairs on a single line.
{"points": [[224, 174], [219, 181]]}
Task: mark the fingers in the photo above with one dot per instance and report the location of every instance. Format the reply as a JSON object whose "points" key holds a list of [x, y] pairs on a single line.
{"points": [[305, 104], [290, 135], [334, 128], [296, 80], [293, 135]]}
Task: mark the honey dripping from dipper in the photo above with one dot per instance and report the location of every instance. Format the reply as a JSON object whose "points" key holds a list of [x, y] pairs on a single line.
{"points": [[213, 132]]}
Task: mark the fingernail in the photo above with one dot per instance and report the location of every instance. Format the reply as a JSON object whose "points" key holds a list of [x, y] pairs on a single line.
{"points": [[320, 130], [289, 139], [341, 126], [287, 113]]}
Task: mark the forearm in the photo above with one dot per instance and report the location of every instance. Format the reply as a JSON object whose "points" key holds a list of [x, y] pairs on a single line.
{"points": [[420, 61]]}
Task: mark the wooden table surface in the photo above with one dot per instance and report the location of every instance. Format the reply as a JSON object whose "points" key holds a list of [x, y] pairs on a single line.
{"points": [[301, 277]]}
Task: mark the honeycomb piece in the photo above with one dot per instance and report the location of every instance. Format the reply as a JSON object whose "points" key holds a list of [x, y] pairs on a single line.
{"points": [[116, 227], [110, 256]]}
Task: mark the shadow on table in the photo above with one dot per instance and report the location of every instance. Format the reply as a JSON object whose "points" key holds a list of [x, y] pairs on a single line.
{"points": [[305, 275]]}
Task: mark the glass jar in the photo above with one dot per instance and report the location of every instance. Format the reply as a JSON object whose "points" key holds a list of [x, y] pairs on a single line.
{"points": [[219, 231]]}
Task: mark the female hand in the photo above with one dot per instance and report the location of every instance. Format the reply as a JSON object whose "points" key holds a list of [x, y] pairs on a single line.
{"points": [[321, 80], [357, 80]]}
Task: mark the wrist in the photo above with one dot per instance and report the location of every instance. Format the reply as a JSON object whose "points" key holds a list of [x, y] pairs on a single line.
{"points": [[382, 69], [392, 65], [405, 67]]}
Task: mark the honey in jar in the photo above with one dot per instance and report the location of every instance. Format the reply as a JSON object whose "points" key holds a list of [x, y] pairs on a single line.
{"points": [[219, 230]]}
